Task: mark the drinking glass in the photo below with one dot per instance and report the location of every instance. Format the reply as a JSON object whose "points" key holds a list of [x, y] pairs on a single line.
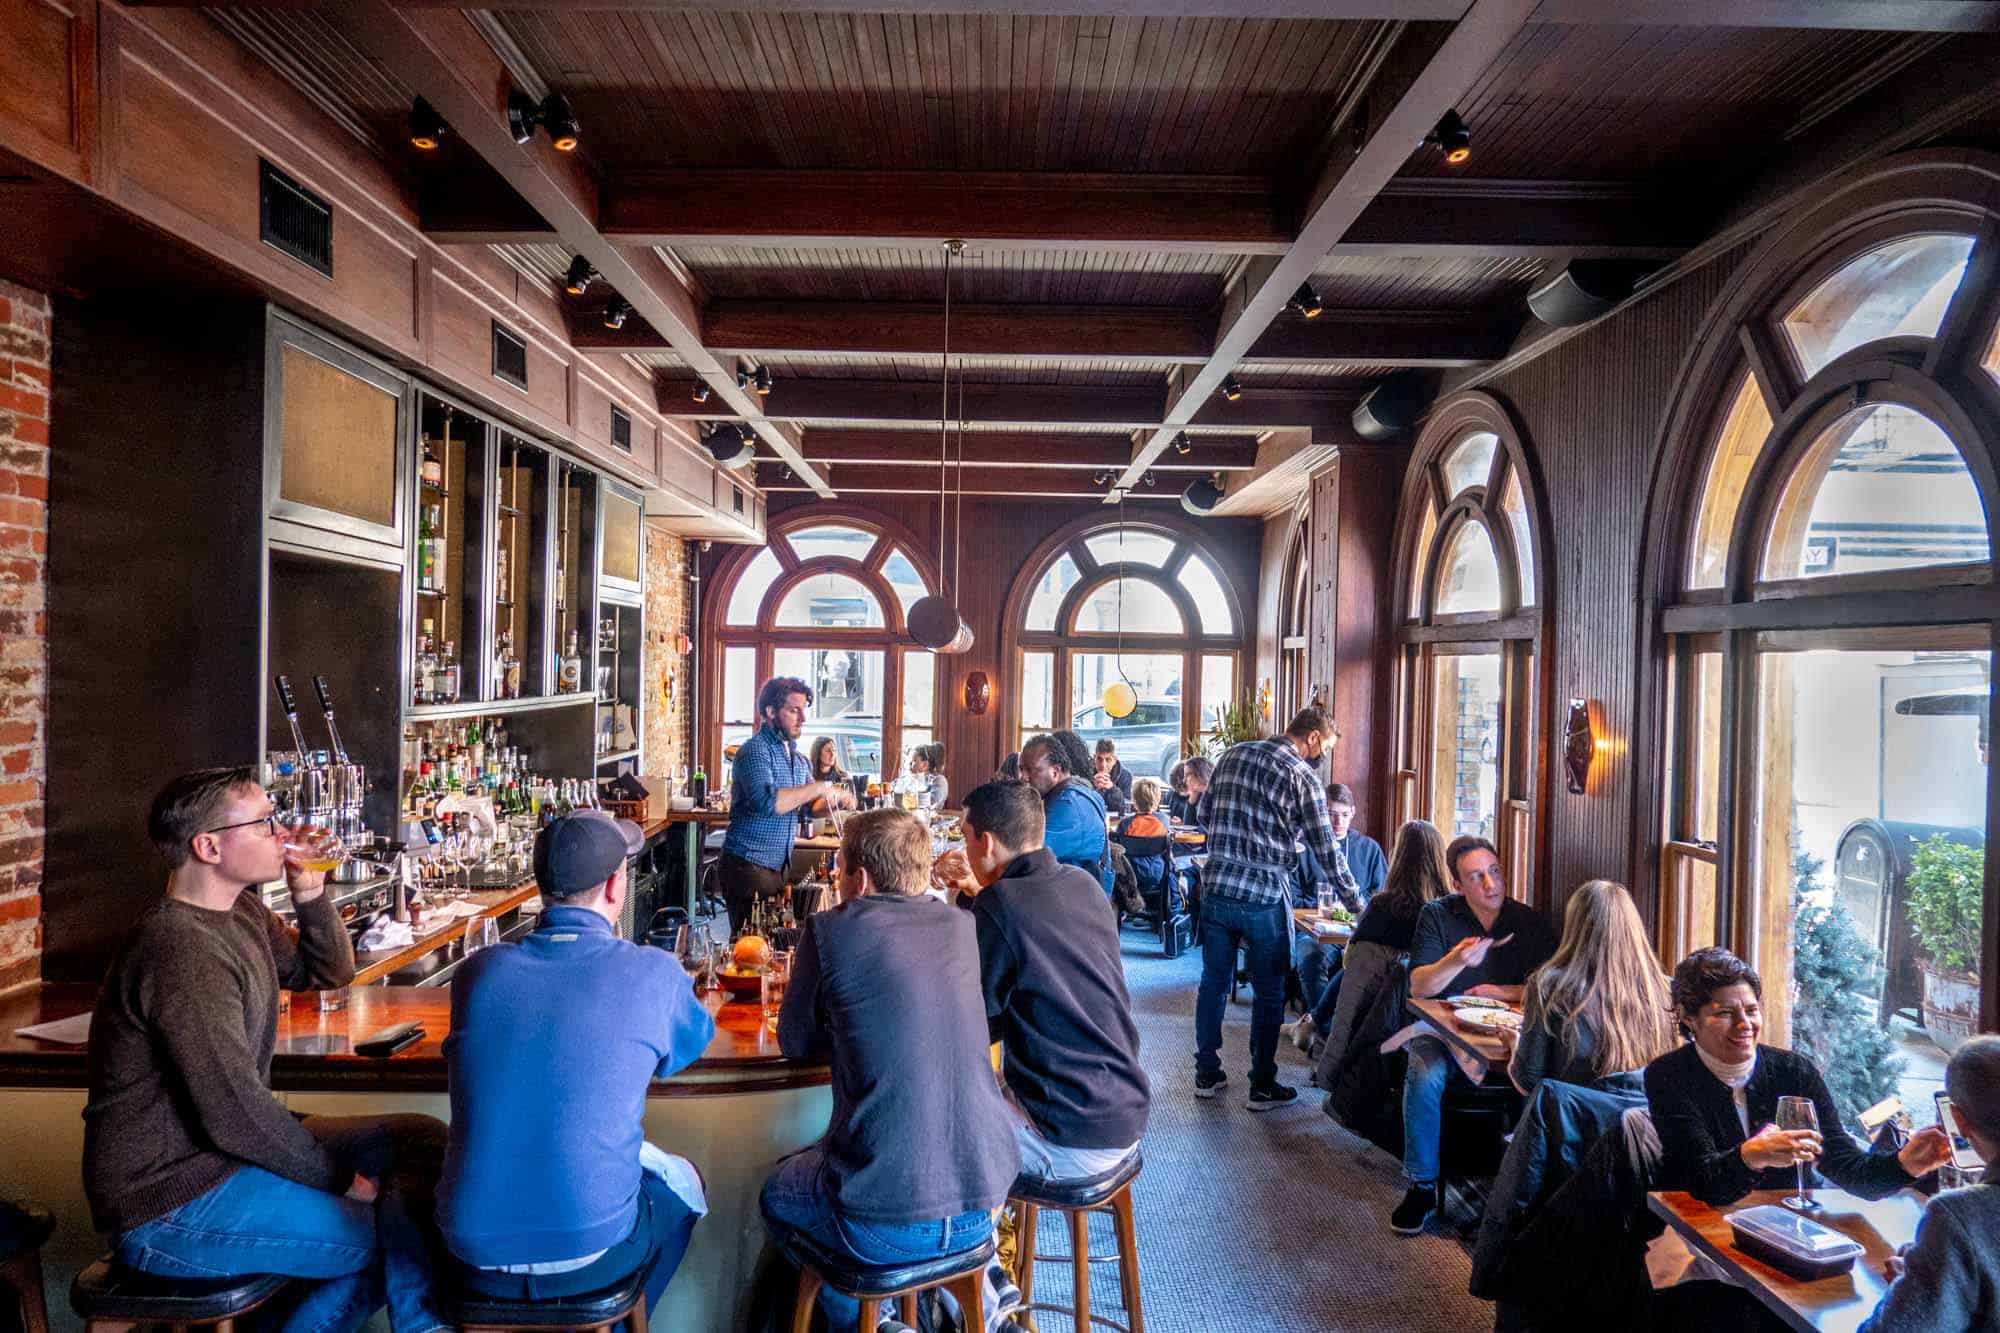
{"points": [[332, 999], [314, 847], [777, 975], [1798, 1113], [481, 933], [1325, 895]]}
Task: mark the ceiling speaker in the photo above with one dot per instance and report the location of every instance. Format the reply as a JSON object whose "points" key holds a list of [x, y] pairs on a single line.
{"points": [[1393, 406], [1585, 289]]}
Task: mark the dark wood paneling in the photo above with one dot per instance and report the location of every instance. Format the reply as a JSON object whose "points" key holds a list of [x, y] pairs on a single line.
{"points": [[48, 100], [1357, 559]]}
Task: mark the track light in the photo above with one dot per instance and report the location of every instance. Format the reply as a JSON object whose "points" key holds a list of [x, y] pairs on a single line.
{"points": [[1100, 478], [427, 127], [616, 311], [742, 378], [1231, 389], [1202, 496], [1148, 477], [552, 113], [1453, 137], [1305, 302], [700, 394], [762, 381], [1183, 445], [579, 277]]}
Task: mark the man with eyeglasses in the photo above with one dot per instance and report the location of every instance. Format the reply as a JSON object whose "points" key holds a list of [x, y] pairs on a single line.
{"points": [[189, 1162]]}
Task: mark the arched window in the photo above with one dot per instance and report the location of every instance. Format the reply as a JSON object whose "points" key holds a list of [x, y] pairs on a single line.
{"points": [[1295, 617], [825, 600], [1134, 600], [1824, 565], [1465, 758]]}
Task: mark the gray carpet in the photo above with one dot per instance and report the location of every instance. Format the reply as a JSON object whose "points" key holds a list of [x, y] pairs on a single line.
{"points": [[1276, 1221]]}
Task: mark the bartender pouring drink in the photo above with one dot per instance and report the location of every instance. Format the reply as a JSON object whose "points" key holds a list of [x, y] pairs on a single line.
{"points": [[771, 786]]}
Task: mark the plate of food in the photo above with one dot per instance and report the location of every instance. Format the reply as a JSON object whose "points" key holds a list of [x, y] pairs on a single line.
{"points": [[1476, 1002], [743, 975], [1490, 1022]]}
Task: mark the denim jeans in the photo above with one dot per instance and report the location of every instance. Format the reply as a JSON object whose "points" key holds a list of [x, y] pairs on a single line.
{"points": [[1329, 1000], [1431, 1068], [1314, 962], [796, 1199], [664, 1227], [1264, 932], [258, 1222]]}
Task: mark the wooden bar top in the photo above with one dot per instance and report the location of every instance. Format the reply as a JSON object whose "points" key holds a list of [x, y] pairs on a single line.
{"points": [[374, 965], [315, 1050]]}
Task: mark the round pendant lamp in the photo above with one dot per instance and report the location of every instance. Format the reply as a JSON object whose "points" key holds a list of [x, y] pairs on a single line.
{"points": [[1120, 699], [934, 620]]}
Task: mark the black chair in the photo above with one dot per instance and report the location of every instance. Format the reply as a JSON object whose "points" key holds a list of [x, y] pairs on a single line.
{"points": [[1159, 884], [962, 1273], [623, 1303], [1077, 1200], [112, 1298], [24, 1229]]}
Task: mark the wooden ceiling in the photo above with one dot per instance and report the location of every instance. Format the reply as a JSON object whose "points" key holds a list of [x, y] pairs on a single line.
{"points": [[1140, 186]]}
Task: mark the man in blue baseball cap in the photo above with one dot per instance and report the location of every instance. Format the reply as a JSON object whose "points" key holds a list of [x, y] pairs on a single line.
{"points": [[549, 1187]]}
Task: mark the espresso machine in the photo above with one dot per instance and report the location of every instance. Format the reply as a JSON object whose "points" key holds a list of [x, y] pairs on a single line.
{"points": [[322, 787]]}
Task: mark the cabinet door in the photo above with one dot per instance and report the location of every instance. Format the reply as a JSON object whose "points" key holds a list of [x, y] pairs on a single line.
{"points": [[335, 427], [620, 552]]}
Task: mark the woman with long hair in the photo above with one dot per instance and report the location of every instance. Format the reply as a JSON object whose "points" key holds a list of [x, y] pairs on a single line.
{"points": [[1600, 1005], [825, 768]]}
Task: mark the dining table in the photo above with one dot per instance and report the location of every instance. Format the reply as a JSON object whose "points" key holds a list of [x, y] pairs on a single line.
{"points": [[1326, 930], [1480, 1045], [1836, 1304]]}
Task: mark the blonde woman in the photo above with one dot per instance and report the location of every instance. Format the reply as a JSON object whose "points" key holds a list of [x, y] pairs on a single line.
{"points": [[1600, 1005]]}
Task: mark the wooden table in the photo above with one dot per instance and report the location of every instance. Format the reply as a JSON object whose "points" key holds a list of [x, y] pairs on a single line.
{"points": [[1831, 1304], [1320, 928], [1477, 1044], [380, 963]]}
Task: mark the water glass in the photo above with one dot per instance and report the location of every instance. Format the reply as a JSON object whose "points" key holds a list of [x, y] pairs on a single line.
{"points": [[777, 975], [332, 999], [313, 847], [1799, 1113], [1325, 895]]}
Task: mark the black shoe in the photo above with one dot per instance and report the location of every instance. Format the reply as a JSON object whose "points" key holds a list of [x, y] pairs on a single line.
{"points": [[1209, 1085], [1271, 1095], [1417, 1208]]}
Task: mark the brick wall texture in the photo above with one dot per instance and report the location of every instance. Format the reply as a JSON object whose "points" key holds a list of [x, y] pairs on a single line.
{"points": [[24, 545], [665, 666]]}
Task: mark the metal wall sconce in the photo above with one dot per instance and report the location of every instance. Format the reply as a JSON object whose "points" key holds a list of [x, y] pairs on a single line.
{"points": [[978, 693], [1580, 745]]}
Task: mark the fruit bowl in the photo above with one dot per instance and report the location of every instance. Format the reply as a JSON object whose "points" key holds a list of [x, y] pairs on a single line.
{"points": [[741, 983]]}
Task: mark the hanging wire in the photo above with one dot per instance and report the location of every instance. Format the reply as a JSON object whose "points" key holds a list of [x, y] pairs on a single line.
{"points": [[944, 408], [958, 503]]}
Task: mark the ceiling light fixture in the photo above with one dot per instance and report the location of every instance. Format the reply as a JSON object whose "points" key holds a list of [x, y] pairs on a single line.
{"points": [[552, 113], [616, 311], [1453, 136], [1305, 302], [1183, 445], [579, 277], [732, 446], [700, 394], [742, 377], [934, 619], [1231, 388], [762, 381], [427, 127]]}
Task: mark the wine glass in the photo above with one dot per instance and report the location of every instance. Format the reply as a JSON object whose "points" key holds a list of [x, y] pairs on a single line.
{"points": [[1799, 1113]]}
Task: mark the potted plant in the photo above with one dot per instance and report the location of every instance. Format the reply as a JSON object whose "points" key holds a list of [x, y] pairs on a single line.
{"points": [[1234, 724], [1947, 891]]}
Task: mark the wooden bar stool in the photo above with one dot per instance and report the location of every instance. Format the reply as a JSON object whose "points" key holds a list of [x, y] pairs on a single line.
{"points": [[1110, 1193], [28, 1229], [113, 1298], [620, 1305], [961, 1272]]}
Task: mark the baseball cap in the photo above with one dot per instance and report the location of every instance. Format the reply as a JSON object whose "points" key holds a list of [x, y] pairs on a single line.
{"points": [[580, 850]]}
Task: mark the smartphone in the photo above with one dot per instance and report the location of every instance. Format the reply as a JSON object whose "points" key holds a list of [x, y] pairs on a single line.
{"points": [[1962, 1152]]}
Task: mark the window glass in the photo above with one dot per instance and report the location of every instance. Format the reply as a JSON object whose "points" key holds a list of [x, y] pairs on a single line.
{"points": [[1744, 431], [1515, 507], [811, 543], [1047, 599], [1038, 691], [1139, 606], [847, 701], [826, 600], [919, 689], [1992, 358], [1882, 488], [1149, 740], [1218, 687], [1901, 288], [1465, 744], [739, 684], [1420, 562], [1204, 586], [1141, 548], [1707, 777], [1870, 861], [1469, 577], [904, 581], [756, 579], [1469, 462]]}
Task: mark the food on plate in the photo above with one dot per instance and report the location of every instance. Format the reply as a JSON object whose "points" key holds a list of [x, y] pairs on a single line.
{"points": [[1475, 1002], [1490, 1020], [1339, 913], [750, 953]]}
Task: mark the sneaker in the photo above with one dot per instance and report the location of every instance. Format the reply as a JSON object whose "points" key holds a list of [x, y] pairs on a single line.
{"points": [[1270, 1095], [1209, 1085], [890, 1324], [1300, 1032], [1003, 1297], [1419, 1205]]}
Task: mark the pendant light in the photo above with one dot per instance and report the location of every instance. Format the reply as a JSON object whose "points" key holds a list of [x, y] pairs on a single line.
{"points": [[934, 619], [1120, 699]]}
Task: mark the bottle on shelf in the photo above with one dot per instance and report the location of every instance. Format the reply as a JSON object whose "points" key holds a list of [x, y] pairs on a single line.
{"points": [[569, 670], [433, 465], [448, 674], [503, 588], [430, 549], [698, 786], [426, 666]]}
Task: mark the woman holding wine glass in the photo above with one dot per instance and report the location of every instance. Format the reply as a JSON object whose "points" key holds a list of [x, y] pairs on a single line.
{"points": [[1734, 1115]]}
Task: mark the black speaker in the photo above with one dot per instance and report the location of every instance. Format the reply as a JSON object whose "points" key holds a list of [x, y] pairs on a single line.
{"points": [[1201, 497], [1586, 289], [1393, 406]]}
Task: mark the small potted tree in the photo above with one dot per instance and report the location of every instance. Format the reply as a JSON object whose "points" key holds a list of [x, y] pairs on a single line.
{"points": [[1234, 724], [1947, 893]]}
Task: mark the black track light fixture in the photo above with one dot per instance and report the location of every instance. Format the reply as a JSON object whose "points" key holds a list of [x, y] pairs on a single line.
{"points": [[1183, 445], [1202, 496], [616, 311], [1305, 302], [552, 113], [427, 127], [577, 280], [1452, 136], [1232, 389], [742, 377], [700, 394], [761, 381], [1148, 479], [1100, 478]]}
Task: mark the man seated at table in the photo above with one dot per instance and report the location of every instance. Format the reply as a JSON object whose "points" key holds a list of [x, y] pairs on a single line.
{"points": [[1189, 779], [1110, 778], [1950, 1279], [189, 1162], [1055, 992], [1477, 941], [1355, 873], [885, 988], [1076, 821], [554, 1042], [771, 786]]}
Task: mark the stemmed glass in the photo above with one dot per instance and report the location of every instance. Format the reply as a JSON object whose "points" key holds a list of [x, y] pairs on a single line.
{"points": [[1796, 1113]]}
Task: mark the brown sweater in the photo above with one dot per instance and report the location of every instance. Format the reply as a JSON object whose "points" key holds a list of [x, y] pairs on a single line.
{"points": [[180, 1056]]}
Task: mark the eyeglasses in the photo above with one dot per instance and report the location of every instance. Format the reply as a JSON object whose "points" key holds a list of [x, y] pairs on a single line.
{"points": [[270, 823]]}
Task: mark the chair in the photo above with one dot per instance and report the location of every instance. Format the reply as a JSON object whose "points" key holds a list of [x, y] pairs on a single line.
{"points": [[24, 1229], [1110, 1193], [622, 1304], [1158, 881], [962, 1273], [112, 1298]]}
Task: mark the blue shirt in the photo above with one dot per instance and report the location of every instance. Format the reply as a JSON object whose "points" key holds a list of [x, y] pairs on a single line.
{"points": [[765, 764], [1263, 795], [554, 1041], [1075, 829]]}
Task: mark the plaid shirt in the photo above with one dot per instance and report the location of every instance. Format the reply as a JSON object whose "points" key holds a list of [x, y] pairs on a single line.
{"points": [[757, 832], [1262, 797]]}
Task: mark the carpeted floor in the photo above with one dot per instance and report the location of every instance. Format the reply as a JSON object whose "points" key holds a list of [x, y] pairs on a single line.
{"points": [[1276, 1221]]}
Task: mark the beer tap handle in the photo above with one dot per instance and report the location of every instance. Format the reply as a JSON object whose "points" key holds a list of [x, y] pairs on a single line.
{"points": [[291, 706], [326, 707]]}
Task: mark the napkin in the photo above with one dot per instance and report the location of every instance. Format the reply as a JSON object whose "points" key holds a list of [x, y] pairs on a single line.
{"points": [[384, 933]]}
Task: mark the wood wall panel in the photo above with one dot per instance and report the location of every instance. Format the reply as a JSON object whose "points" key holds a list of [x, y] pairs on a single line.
{"points": [[1359, 565], [48, 102]]}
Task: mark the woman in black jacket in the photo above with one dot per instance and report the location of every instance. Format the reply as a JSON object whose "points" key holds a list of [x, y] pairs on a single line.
{"points": [[1715, 1101]]}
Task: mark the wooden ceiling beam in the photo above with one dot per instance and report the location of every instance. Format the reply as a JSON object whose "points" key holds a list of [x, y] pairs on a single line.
{"points": [[863, 479], [1023, 450]]}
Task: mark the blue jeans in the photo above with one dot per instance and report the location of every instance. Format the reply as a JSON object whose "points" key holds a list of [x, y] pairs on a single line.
{"points": [[796, 1199], [1314, 962], [1431, 1068], [1329, 1000], [1264, 932], [663, 1228], [258, 1222]]}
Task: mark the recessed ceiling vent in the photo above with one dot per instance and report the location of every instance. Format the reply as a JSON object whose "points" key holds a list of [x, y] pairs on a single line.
{"points": [[621, 428], [293, 220], [510, 356]]}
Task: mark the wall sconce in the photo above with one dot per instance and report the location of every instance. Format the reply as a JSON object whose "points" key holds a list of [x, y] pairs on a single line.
{"points": [[978, 693], [1580, 745]]}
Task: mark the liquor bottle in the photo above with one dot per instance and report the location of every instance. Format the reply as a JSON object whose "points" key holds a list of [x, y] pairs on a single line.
{"points": [[569, 672], [448, 673], [503, 589], [430, 551], [510, 670], [433, 465], [426, 666], [698, 786]]}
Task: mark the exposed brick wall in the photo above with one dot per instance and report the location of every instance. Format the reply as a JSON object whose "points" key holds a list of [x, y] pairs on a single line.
{"points": [[666, 668], [24, 547]]}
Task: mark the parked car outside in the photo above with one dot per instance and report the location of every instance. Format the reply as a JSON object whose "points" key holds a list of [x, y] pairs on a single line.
{"points": [[857, 742], [1149, 741]]}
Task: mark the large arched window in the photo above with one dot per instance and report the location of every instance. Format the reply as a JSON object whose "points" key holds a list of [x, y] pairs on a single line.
{"points": [[825, 600], [1822, 553], [1133, 599], [1470, 622], [1295, 617]]}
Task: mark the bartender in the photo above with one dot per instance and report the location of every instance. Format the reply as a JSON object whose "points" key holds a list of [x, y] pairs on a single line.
{"points": [[770, 788]]}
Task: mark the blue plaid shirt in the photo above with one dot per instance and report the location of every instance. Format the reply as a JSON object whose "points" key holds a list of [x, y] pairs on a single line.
{"points": [[1263, 797], [757, 833]]}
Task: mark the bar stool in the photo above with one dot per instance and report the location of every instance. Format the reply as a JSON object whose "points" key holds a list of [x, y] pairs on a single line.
{"points": [[113, 1298], [962, 1273], [28, 1229], [623, 1303], [1109, 1193]]}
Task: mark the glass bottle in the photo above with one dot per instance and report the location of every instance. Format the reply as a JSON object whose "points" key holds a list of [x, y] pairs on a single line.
{"points": [[569, 674], [426, 665], [433, 465], [430, 551], [448, 673]]}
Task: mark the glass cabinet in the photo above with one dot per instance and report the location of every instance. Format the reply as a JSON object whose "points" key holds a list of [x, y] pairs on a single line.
{"points": [[520, 577], [448, 562], [575, 576], [619, 650]]}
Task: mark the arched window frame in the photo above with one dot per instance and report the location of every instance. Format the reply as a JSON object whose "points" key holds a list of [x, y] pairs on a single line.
{"points": [[1715, 878], [1295, 616], [1515, 631]]}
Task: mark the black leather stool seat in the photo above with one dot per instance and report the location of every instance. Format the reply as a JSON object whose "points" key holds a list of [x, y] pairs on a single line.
{"points": [[1090, 1192], [109, 1290], [584, 1310], [27, 1226], [865, 1280]]}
